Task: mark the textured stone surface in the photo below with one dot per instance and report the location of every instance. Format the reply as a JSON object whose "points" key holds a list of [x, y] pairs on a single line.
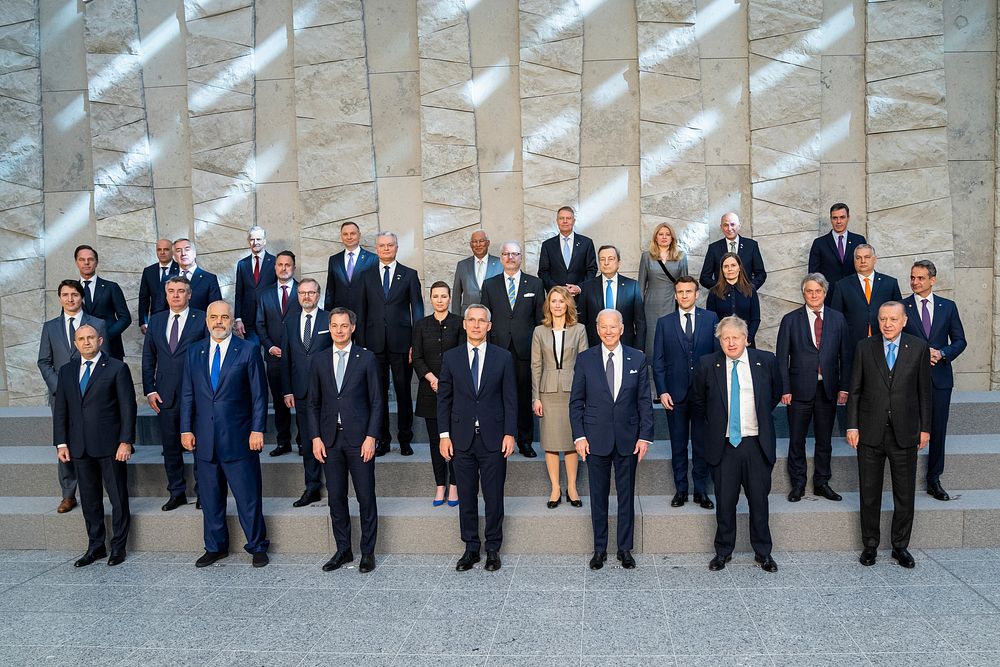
{"points": [[895, 188], [609, 128], [970, 25], [842, 116], [970, 105], [908, 102], [972, 187], [782, 93], [901, 19], [778, 17], [907, 150], [890, 231], [974, 305], [726, 104], [669, 48], [884, 60]]}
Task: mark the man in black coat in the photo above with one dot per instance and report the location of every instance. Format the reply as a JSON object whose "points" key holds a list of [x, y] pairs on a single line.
{"points": [[859, 296], [833, 254], [152, 299], [612, 290], [344, 269], [103, 299], [254, 273], [204, 284], [747, 249], [275, 305], [568, 258]]}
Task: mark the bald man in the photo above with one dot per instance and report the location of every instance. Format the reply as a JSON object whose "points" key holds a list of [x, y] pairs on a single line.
{"points": [[152, 297]]}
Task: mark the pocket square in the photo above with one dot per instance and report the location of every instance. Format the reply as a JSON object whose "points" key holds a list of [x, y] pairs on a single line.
{"points": [[632, 371], [529, 294], [324, 331]]}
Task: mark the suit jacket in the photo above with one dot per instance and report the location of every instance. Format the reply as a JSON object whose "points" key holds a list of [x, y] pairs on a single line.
{"points": [[749, 252], [108, 304], [204, 289], [96, 422], [386, 324], [466, 292], [582, 263], [800, 361], [152, 297], [947, 336], [879, 397], [823, 258], [674, 358], [295, 359], [55, 351], [341, 293], [514, 327], [546, 377], [270, 326], [494, 406], [247, 292], [628, 303], [222, 420], [849, 300], [359, 401], [711, 398], [611, 424], [162, 369]]}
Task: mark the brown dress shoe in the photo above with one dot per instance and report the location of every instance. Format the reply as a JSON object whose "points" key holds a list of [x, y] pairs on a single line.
{"points": [[66, 505]]}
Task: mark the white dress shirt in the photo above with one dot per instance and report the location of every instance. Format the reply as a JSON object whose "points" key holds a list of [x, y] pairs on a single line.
{"points": [[89, 288], [292, 296], [811, 314], [180, 322], [682, 313], [223, 346], [619, 364], [614, 290], [381, 271], [479, 267], [562, 244], [558, 336], [748, 407], [302, 324], [836, 236]]}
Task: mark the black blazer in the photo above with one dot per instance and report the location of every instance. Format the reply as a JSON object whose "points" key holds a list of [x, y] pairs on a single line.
{"points": [[204, 289], [341, 293], [152, 297], [270, 321], [386, 324], [295, 360], [823, 259], [162, 370], [431, 339], [514, 327], [901, 398], [849, 300], [947, 336], [459, 406], [247, 292], [95, 423], [359, 402], [109, 304], [749, 252], [736, 303], [628, 303], [674, 359], [800, 361], [582, 263]]}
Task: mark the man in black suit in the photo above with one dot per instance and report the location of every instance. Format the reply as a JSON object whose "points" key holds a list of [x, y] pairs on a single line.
{"points": [[833, 254], [568, 258], [747, 249], [858, 297], [935, 319], [737, 389], [152, 299], [204, 285], [889, 417], [477, 413], [93, 425], [275, 305], [254, 273], [304, 338], [814, 356], [515, 300], [346, 405], [164, 355], [391, 303], [103, 299], [344, 269], [612, 290]]}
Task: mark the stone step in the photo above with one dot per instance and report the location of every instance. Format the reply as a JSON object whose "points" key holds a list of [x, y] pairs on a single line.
{"points": [[410, 526], [31, 471]]}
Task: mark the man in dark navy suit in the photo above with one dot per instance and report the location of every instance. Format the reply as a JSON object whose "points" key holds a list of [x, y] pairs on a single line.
{"points": [[682, 338], [737, 389], [568, 258], [345, 413], [152, 299], [814, 356], [611, 415], [103, 299], [934, 319], [391, 303], [164, 355], [223, 416], [254, 273], [93, 425], [858, 297], [833, 254], [343, 273], [204, 285], [610, 289], [747, 249], [275, 305], [305, 336], [477, 414]]}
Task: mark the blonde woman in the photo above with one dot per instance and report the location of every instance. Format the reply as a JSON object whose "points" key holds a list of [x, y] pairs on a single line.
{"points": [[659, 270], [554, 346]]}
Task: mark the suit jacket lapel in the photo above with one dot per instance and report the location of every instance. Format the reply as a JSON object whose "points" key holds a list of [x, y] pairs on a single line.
{"points": [[349, 372], [805, 325], [940, 315], [880, 362], [759, 382], [94, 371], [234, 346], [720, 379]]}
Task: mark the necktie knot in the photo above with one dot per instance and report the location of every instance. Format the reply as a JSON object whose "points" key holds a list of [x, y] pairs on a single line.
{"points": [[89, 364], [735, 427]]}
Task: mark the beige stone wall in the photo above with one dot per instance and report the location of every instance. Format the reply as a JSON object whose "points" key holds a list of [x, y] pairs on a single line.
{"points": [[122, 121]]}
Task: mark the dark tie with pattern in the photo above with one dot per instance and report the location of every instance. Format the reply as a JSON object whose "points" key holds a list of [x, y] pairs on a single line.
{"points": [[175, 329], [72, 332], [307, 333]]}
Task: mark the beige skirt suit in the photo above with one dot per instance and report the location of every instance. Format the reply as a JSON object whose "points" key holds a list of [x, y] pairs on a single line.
{"points": [[552, 379]]}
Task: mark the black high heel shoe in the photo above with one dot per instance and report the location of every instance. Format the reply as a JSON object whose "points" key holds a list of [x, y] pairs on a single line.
{"points": [[574, 503], [552, 504]]}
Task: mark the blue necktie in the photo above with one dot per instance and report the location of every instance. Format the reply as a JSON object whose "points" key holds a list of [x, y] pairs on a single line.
{"points": [[566, 251], [475, 369], [609, 297], [735, 431], [86, 377], [216, 367], [890, 356], [511, 292], [385, 281]]}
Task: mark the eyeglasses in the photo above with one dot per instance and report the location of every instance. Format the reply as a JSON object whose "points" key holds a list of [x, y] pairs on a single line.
{"points": [[510, 254], [301, 293]]}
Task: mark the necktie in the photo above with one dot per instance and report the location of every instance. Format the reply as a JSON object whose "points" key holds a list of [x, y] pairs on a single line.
{"points": [[86, 376], [688, 327], [868, 298], [818, 327], [307, 333], [732, 246], [925, 318], [385, 281], [72, 332], [175, 333], [87, 300], [350, 265], [187, 274], [284, 298], [256, 269], [609, 297], [339, 373], [567, 251], [165, 270], [216, 366], [840, 248], [480, 266], [511, 292], [735, 430], [475, 369], [609, 371], [890, 356]]}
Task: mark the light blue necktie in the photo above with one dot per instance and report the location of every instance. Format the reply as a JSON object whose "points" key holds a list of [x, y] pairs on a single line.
{"points": [[735, 431], [216, 366], [567, 251], [340, 368], [609, 296], [511, 292], [475, 369], [385, 281], [890, 356], [86, 376]]}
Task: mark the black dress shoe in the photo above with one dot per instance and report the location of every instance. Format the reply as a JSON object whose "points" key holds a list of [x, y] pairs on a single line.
{"points": [[552, 504], [405, 450], [91, 557], [307, 499], [280, 449], [795, 495], [174, 502], [597, 560], [575, 503], [527, 450], [210, 557], [197, 504], [260, 559], [492, 561], [678, 500], [938, 492], [904, 558], [381, 448], [718, 563], [628, 562], [704, 501], [766, 563], [116, 559], [868, 556], [339, 559], [367, 563], [468, 559], [825, 491]]}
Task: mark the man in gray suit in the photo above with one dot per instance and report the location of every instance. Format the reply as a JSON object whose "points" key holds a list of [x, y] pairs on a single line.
{"points": [[55, 349], [472, 271]]}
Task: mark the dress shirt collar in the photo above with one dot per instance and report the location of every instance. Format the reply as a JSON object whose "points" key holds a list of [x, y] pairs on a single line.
{"points": [[346, 348], [735, 240], [743, 358], [570, 236], [223, 348], [93, 364], [382, 265], [605, 351], [681, 312], [516, 277], [870, 277], [92, 279], [895, 341], [920, 299], [78, 315]]}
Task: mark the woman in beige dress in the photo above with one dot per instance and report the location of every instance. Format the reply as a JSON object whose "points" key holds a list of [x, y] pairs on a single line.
{"points": [[554, 346]]}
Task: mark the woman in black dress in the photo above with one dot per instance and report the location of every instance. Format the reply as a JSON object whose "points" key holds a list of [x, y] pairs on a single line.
{"points": [[734, 294]]}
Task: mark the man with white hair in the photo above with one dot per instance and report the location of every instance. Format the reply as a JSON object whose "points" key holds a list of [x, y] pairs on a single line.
{"points": [[254, 273]]}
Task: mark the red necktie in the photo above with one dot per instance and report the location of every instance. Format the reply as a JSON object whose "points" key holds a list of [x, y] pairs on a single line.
{"points": [[284, 299], [256, 269], [818, 327]]}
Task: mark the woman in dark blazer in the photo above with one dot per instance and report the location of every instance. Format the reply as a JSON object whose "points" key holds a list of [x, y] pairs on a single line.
{"points": [[734, 294], [432, 337]]}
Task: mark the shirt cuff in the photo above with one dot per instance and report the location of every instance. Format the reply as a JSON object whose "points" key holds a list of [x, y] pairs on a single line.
{"points": [[853, 429], [580, 438], [240, 320], [62, 446], [446, 434]]}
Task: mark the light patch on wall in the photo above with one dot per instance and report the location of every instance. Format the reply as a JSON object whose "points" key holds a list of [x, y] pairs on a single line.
{"points": [[715, 13], [608, 91], [595, 206], [68, 222], [74, 112], [263, 54], [835, 133], [158, 38], [485, 82]]}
